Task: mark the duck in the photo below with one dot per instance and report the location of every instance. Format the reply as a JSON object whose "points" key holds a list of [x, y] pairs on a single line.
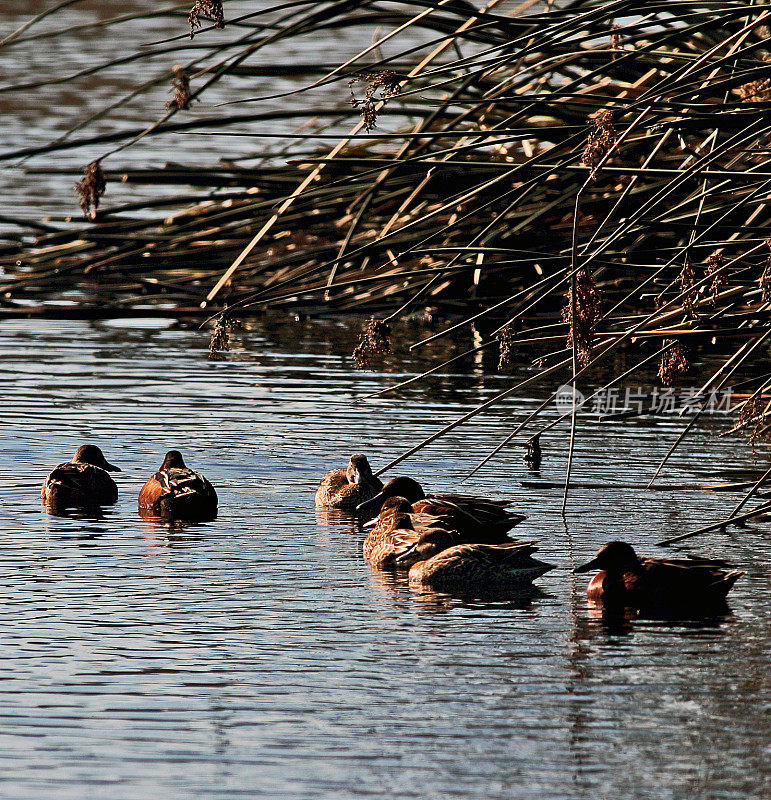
{"points": [[449, 516], [345, 489], [177, 492], [82, 482], [477, 511], [471, 568], [397, 529], [625, 579]]}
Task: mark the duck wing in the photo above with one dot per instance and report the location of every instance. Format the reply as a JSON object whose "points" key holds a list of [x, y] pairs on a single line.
{"points": [[185, 494], [79, 483], [330, 486], [691, 561], [478, 510], [482, 567], [185, 481], [381, 547], [687, 580]]}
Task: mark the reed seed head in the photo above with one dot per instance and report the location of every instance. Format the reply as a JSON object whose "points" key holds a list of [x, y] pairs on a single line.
{"points": [[686, 280], [751, 417], [374, 340], [209, 9], [673, 363], [601, 138], [91, 188], [181, 84], [719, 278], [378, 87], [756, 91], [505, 337], [224, 325], [615, 40], [588, 310], [764, 281]]}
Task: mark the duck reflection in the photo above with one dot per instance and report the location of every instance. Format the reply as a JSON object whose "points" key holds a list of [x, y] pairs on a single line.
{"points": [[401, 593], [162, 534], [618, 619], [334, 517]]}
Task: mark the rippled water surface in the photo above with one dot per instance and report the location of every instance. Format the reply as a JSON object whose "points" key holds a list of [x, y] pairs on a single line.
{"points": [[259, 656]]}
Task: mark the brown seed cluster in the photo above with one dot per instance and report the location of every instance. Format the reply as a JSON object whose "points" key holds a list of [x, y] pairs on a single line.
{"points": [[378, 87], [220, 337], [588, 311], [615, 40], [181, 85], [209, 9], [374, 340], [756, 91], [91, 188], [505, 337], [601, 138], [685, 280], [751, 417], [719, 278], [674, 362]]}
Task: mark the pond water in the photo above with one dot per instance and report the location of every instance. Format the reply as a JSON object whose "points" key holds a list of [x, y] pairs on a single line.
{"points": [[259, 656], [70, 96]]}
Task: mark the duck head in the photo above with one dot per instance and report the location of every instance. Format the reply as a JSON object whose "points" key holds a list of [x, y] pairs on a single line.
{"points": [[403, 486], [613, 557], [173, 460], [359, 470], [91, 454], [393, 506]]}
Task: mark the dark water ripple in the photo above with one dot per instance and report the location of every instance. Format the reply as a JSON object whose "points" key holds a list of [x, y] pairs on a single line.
{"points": [[258, 656]]}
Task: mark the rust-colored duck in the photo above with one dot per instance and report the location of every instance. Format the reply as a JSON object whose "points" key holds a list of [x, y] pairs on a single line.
{"points": [[480, 512], [81, 483], [624, 579], [471, 568], [345, 489], [177, 492]]}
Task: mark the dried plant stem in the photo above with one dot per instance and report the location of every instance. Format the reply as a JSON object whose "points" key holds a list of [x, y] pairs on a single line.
{"points": [[732, 520]]}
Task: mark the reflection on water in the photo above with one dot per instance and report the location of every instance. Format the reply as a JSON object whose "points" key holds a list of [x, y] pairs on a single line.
{"points": [[259, 655], [621, 620]]}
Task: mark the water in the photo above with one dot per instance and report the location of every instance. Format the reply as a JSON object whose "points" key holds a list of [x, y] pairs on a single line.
{"points": [[44, 185], [260, 656]]}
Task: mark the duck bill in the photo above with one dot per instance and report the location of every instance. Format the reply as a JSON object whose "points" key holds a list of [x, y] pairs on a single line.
{"points": [[370, 523], [588, 567], [111, 467], [407, 555], [372, 506]]}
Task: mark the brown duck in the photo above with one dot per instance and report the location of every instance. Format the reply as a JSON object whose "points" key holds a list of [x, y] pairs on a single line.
{"points": [[345, 489], [397, 529], [472, 568], [469, 510], [449, 517], [627, 580], [82, 482], [177, 492]]}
